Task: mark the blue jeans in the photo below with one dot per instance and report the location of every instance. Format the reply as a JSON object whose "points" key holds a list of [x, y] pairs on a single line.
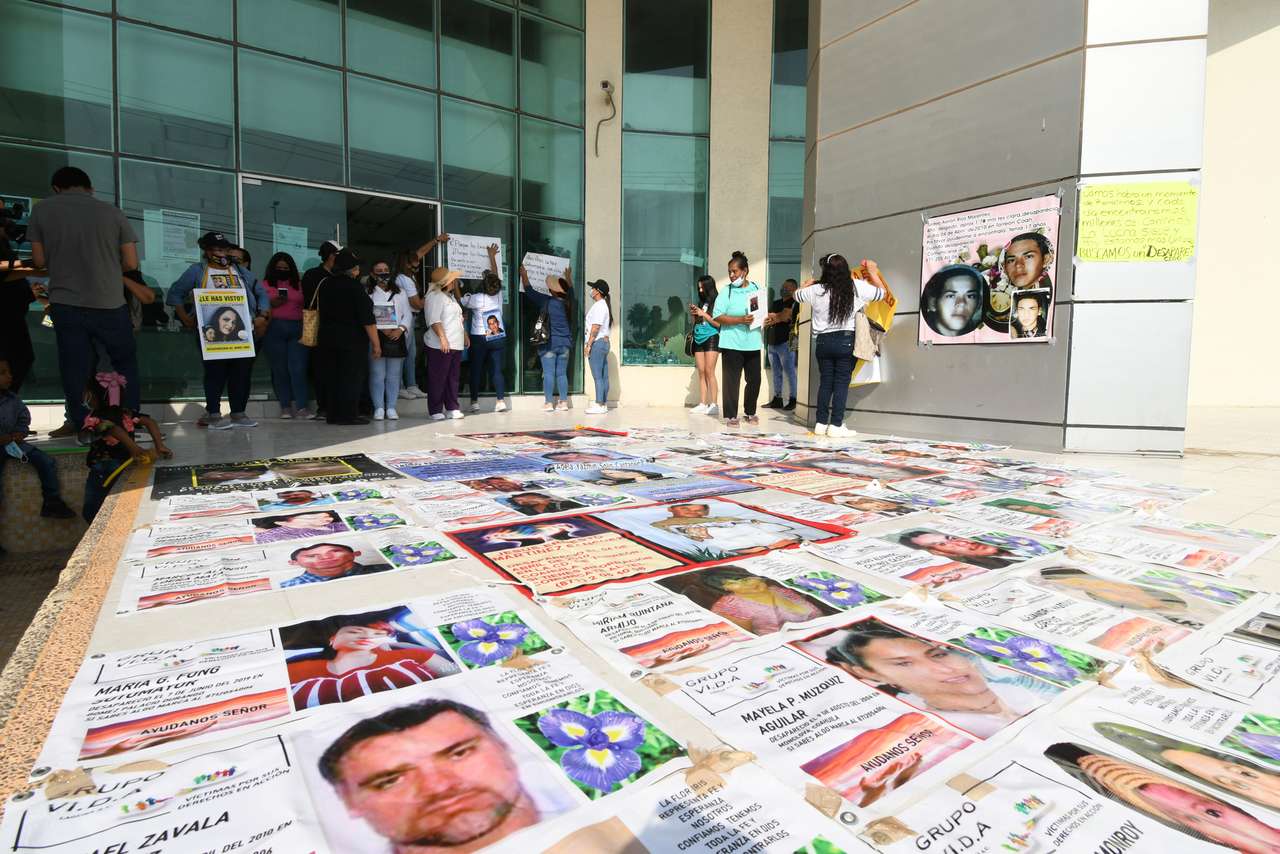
{"points": [[599, 362], [410, 369], [76, 329], [834, 352], [94, 491], [288, 357], [384, 381], [488, 355], [555, 372], [782, 359], [45, 468]]}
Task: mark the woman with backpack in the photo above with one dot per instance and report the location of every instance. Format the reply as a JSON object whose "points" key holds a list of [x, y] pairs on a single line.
{"points": [[554, 352]]}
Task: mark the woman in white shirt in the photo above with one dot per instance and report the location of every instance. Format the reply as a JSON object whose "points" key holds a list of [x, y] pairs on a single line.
{"points": [[406, 277], [836, 299], [445, 339], [488, 334], [384, 372], [599, 319]]}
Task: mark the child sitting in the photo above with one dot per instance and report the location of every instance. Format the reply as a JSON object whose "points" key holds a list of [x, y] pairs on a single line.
{"points": [[15, 426], [112, 426]]}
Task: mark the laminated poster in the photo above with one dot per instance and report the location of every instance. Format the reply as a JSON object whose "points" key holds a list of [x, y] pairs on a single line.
{"points": [[987, 275], [958, 487], [865, 506], [225, 323], [1039, 514], [539, 742], [519, 496], [215, 478], [1239, 661], [1212, 550], [658, 482]]}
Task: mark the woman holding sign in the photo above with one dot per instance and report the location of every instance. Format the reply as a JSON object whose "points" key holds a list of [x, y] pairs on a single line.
{"points": [[226, 344], [488, 334], [558, 304]]}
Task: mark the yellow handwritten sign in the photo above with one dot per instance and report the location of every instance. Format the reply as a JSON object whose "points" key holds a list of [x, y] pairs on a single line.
{"points": [[1153, 221]]}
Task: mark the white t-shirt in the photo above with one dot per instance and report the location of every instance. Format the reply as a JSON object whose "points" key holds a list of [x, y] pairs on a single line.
{"points": [[481, 305], [407, 284], [816, 296], [598, 313], [443, 309], [404, 317]]}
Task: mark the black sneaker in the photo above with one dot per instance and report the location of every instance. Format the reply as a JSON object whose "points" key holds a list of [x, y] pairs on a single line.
{"points": [[58, 510], [776, 403], [791, 406]]}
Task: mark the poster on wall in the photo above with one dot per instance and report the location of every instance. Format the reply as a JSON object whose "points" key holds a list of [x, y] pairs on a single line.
{"points": [[1139, 221], [987, 276], [226, 326], [469, 254]]}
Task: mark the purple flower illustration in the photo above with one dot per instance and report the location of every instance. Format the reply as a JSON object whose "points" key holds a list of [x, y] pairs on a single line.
{"points": [[602, 748], [484, 643], [403, 555], [356, 494], [1028, 655], [1267, 745], [373, 521], [1200, 588], [834, 591]]}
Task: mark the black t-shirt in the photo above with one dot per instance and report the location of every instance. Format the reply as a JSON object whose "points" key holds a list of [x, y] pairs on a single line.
{"points": [[780, 333], [345, 309], [310, 279]]}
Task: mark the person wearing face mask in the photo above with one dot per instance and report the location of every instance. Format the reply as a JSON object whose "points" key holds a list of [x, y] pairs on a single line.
{"points": [[220, 272], [347, 329], [557, 303], [445, 339], [282, 340], [488, 334], [406, 277], [384, 373], [739, 343]]}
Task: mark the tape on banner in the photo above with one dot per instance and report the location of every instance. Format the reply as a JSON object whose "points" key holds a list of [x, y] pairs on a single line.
{"points": [[1143, 661], [886, 831], [142, 766], [949, 597], [661, 685], [921, 592], [1080, 554], [824, 800], [519, 661], [66, 784], [685, 671], [562, 601], [1103, 678], [971, 787], [711, 766]]}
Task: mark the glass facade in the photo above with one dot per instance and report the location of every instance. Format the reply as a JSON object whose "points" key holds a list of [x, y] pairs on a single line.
{"points": [[476, 107], [787, 107], [665, 153]]}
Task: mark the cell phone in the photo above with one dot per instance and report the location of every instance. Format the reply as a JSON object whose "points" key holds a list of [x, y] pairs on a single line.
{"points": [[284, 292]]}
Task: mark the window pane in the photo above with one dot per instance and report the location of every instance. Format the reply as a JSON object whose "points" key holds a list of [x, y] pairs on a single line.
{"points": [[479, 154], [551, 71], [786, 211], [569, 11], [55, 81], [502, 228], [279, 217], [169, 208], [177, 96], [393, 39], [665, 58], [290, 118], [391, 131], [551, 169], [91, 5], [477, 51], [208, 17], [25, 172], [564, 240], [664, 243], [787, 103], [308, 29]]}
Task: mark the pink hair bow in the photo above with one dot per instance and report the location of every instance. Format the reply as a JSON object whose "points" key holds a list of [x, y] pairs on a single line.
{"points": [[112, 382]]}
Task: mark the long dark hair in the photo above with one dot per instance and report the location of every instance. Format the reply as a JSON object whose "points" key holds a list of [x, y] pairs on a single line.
{"points": [[235, 333], [838, 284], [372, 283], [609, 305], [707, 290], [272, 276]]}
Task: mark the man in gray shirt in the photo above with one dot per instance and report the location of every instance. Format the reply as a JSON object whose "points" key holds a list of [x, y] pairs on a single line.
{"points": [[86, 244]]}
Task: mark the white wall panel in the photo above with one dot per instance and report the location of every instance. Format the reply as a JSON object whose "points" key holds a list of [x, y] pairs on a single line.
{"points": [[1095, 440], [1140, 20]]}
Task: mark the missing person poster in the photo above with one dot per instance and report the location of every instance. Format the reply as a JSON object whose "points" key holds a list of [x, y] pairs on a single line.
{"points": [[215, 478], [1038, 514], [225, 324], [988, 274], [658, 482], [1240, 660]]}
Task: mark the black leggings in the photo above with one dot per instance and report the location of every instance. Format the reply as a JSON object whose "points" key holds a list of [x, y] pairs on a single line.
{"points": [[733, 363]]}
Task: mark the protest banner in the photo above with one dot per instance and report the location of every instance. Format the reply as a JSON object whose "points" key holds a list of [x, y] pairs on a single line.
{"points": [[987, 274], [958, 487], [1133, 545], [657, 482], [538, 267], [1151, 221], [225, 324], [861, 507], [469, 255], [1053, 476], [1240, 660], [1038, 514], [215, 478]]}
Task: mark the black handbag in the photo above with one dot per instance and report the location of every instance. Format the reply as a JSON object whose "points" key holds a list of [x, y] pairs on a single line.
{"points": [[393, 348], [541, 329]]}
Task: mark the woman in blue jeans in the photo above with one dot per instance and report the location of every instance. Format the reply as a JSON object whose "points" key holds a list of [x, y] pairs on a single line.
{"points": [[555, 353], [282, 342], [488, 335], [836, 299], [599, 319]]}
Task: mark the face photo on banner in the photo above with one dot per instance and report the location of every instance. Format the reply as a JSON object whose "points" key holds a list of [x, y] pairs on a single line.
{"points": [[751, 602], [493, 328], [710, 529], [987, 275], [861, 469], [988, 550], [225, 324]]}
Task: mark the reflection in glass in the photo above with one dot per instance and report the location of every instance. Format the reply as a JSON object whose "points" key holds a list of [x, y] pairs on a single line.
{"points": [[55, 80], [502, 228], [666, 50], [664, 243], [569, 11], [177, 96], [391, 132], [787, 102], [786, 212], [291, 218], [563, 240], [290, 118], [394, 39], [551, 169], [307, 29], [477, 51], [551, 70], [479, 154], [207, 17]]}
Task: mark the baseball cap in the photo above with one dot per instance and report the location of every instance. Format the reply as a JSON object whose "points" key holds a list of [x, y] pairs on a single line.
{"points": [[330, 247], [346, 260], [600, 285], [213, 240]]}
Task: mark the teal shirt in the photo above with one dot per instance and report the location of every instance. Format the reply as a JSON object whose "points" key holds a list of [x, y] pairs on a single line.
{"points": [[733, 302]]}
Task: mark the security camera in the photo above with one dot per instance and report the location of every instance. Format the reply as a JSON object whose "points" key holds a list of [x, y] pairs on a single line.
{"points": [[606, 87]]}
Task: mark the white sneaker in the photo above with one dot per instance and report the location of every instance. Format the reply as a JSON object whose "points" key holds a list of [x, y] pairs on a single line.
{"points": [[286, 414], [475, 407], [548, 407], [820, 429], [501, 407], [455, 413], [597, 409], [392, 415], [379, 414], [839, 431], [713, 411], [404, 394], [439, 416], [700, 409], [562, 406]]}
